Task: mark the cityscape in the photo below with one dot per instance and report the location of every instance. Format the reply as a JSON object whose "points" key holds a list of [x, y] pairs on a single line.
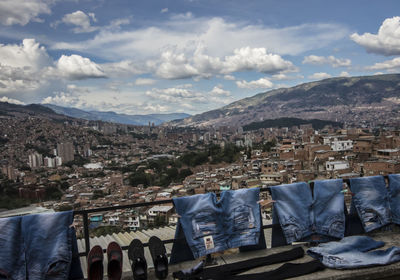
{"points": [[199, 139], [79, 164]]}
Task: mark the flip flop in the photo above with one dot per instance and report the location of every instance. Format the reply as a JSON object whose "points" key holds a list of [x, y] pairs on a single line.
{"points": [[114, 256], [95, 263], [159, 256], [137, 260]]}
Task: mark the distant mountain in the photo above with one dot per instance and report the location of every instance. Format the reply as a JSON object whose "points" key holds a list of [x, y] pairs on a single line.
{"points": [[353, 100], [9, 109], [117, 118]]}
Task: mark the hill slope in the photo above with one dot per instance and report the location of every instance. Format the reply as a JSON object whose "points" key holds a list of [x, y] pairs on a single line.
{"points": [[354, 100], [117, 118]]}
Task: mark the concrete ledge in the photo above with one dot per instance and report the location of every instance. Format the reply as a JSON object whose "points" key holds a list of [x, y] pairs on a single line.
{"points": [[391, 238]]}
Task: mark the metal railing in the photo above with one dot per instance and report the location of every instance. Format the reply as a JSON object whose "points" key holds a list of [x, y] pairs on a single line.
{"points": [[85, 213]]}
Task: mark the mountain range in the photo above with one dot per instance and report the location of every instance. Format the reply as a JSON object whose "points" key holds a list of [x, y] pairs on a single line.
{"points": [[351, 100], [110, 116]]}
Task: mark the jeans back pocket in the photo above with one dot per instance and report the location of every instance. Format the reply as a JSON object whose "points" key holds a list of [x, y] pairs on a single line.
{"points": [[243, 218], [204, 223]]}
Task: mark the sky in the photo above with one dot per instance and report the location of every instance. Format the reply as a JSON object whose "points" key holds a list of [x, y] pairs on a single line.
{"points": [[192, 56]]}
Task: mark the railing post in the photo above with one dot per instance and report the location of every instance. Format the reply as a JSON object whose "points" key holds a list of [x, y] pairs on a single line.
{"points": [[86, 232]]}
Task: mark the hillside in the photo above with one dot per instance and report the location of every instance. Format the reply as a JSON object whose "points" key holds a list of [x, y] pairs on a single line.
{"points": [[354, 100], [117, 118]]}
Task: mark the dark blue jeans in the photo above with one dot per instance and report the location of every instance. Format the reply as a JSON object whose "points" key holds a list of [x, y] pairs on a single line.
{"points": [[36, 246]]}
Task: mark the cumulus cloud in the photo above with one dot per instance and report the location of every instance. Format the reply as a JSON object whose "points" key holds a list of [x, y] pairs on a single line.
{"points": [[247, 59], [22, 11], [218, 90], [386, 41], [186, 97], [385, 65], [81, 21], [331, 60], [173, 65], [144, 82], [11, 100], [21, 66], [319, 76], [163, 11], [344, 74], [76, 67], [29, 55], [260, 83]]}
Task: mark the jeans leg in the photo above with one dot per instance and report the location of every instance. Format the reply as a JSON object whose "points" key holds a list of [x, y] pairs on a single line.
{"points": [[12, 252], [48, 242], [76, 269], [180, 249]]}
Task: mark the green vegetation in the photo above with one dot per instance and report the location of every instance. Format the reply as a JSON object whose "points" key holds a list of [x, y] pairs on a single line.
{"points": [[288, 122], [163, 172], [78, 161], [9, 198], [104, 230], [97, 194]]}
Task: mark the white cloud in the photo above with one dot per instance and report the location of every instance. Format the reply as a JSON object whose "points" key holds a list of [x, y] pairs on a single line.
{"points": [[21, 66], [319, 76], [283, 76], [248, 59], [76, 67], [186, 97], [333, 61], [29, 55], [344, 74], [219, 91], [229, 77], [163, 11], [219, 37], [386, 42], [81, 21], [386, 65], [175, 66], [11, 100], [22, 11], [260, 83], [144, 82]]}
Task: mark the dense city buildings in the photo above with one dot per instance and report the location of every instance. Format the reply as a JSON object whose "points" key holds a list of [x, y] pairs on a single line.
{"points": [[87, 164]]}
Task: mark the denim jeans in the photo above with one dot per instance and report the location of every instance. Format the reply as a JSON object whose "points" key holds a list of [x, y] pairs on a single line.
{"points": [[300, 215], [36, 246], [371, 201], [394, 191], [353, 252], [212, 225]]}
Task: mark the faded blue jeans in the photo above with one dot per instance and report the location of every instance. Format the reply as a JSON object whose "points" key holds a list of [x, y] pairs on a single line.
{"points": [[212, 225], [371, 201], [36, 247], [353, 252], [300, 215]]}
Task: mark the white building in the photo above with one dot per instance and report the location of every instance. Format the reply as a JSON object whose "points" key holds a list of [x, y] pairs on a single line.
{"points": [[336, 165]]}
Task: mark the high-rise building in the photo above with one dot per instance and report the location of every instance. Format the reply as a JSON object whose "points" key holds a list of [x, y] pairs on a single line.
{"points": [[35, 160], [65, 151]]}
